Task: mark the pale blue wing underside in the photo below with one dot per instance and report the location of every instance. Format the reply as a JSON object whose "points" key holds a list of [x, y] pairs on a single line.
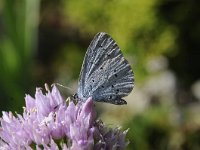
{"points": [[106, 75]]}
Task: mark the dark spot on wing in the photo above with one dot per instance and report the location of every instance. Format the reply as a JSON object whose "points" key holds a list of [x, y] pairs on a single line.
{"points": [[116, 75], [101, 68], [112, 86], [115, 70], [102, 86], [117, 91], [92, 80]]}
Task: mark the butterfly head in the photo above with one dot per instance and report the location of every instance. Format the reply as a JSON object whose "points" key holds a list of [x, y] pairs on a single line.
{"points": [[75, 96]]}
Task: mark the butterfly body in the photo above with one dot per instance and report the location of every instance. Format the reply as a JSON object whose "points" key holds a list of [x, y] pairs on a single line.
{"points": [[106, 75]]}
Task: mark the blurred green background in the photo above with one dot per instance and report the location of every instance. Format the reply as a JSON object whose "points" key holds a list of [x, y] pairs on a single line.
{"points": [[44, 41]]}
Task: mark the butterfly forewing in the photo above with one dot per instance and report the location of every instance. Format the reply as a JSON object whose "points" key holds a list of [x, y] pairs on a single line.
{"points": [[106, 76]]}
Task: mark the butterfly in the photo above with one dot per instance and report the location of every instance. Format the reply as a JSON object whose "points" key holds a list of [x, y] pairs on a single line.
{"points": [[106, 75]]}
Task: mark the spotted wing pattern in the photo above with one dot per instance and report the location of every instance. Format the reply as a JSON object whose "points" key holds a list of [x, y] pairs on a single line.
{"points": [[106, 75]]}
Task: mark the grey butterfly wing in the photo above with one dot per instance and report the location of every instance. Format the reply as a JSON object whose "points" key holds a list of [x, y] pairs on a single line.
{"points": [[106, 76]]}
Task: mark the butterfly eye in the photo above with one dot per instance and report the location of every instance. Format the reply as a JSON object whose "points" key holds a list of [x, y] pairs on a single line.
{"points": [[92, 80], [75, 96], [102, 86], [116, 75]]}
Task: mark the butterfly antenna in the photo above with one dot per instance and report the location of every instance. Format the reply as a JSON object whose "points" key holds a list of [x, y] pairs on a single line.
{"points": [[58, 84]]}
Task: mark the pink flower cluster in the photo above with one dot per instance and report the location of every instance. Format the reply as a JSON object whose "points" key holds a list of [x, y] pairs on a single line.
{"points": [[49, 123]]}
